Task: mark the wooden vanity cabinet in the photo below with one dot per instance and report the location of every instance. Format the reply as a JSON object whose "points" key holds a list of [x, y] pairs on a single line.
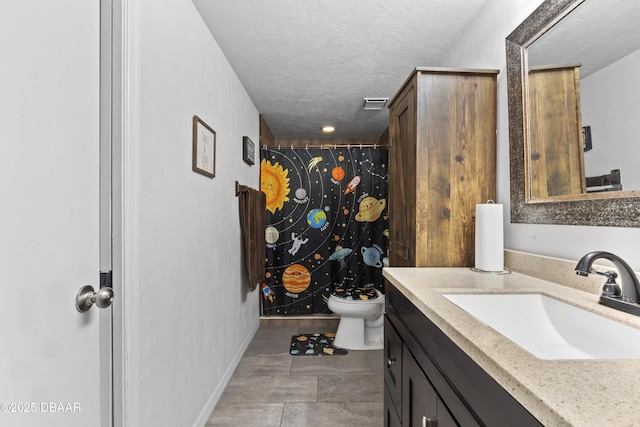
{"points": [[440, 386], [442, 162]]}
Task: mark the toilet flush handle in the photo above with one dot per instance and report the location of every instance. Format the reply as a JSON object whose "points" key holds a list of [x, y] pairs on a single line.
{"points": [[391, 362]]}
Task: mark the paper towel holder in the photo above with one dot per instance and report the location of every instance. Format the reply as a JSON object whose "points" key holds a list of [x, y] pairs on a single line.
{"points": [[477, 270]]}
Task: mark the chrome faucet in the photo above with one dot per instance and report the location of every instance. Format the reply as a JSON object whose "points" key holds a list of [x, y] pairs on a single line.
{"points": [[627, 296]]}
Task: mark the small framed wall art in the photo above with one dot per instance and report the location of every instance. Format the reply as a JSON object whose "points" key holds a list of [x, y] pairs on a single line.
{"points": [[248, 150], [586, 138], [204, 148]]}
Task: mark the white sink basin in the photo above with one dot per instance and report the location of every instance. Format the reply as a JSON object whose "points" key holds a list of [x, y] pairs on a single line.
{"points": [[551, 329]]}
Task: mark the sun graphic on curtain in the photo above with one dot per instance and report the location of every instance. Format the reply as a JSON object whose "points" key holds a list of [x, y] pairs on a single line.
{"points": [[274, 182]]}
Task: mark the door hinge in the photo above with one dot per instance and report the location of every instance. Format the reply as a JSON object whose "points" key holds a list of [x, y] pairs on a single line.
{"points": [[105, 279]]}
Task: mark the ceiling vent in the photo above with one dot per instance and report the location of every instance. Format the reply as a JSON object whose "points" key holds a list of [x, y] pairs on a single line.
{"points": [[374, 103]]}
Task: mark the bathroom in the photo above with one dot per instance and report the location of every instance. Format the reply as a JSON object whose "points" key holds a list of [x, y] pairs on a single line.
{"points": [[189, 314]]}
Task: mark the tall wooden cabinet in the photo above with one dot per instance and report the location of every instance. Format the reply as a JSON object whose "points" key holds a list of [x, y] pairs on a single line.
{"points": [[442, 162], [555, 151]]}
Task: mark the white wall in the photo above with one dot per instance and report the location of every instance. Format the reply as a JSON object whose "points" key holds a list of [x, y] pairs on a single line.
{"points": [[483, 46], [609, 100], [191, 311]]}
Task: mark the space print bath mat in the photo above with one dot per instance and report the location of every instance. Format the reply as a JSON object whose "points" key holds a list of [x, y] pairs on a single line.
{"points": [[314, 345]]}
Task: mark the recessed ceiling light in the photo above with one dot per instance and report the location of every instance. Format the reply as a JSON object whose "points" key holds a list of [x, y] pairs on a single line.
{"points": [[328, 129]]}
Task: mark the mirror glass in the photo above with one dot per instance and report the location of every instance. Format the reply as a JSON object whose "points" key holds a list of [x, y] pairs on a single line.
{"points": [[572, 109], [582, 98]]}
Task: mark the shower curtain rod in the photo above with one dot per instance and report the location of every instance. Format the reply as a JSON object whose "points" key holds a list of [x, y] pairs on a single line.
{"points": [[323, 146]]}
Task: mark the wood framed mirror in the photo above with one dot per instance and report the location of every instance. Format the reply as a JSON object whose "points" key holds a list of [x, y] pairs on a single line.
{"points": [[550, 178]]}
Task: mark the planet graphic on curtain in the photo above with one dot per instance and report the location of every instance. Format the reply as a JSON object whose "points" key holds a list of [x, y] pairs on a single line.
{"points": [[338, 173], [371, 257], [296, 278], [271, 234], [316, 218], [370, 209], [301, 193]]}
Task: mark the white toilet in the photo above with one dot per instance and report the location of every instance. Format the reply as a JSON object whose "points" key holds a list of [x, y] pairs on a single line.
{"points": [[361, 321]]}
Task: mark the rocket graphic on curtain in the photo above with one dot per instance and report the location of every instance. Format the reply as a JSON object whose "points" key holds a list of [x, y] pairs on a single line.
{"points": [[327, 225]]}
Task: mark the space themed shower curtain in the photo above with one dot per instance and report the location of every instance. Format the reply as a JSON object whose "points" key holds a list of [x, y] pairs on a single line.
{"points": [[327, 225]]}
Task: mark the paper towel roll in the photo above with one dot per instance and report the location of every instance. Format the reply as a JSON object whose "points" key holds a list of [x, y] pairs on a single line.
{"points": [[489, 237]]}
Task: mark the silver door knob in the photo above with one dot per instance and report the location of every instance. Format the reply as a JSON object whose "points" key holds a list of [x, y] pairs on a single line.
{"points": [[86, 297]]}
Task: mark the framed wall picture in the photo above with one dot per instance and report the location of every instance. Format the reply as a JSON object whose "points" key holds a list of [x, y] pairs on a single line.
{"points": [[248, 150], [204, 148], [586, 138]]}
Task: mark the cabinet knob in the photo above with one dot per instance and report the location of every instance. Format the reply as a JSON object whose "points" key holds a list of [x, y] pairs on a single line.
{"points": [[391, 362]]}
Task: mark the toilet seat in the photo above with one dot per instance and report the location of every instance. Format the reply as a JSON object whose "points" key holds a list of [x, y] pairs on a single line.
{"points": [[357, 295]]}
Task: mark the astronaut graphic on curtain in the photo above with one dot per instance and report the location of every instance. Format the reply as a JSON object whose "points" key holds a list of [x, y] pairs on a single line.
{"points": [[327, 225]]}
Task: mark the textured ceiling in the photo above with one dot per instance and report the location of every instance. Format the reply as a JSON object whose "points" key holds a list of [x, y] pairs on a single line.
{"points": [[595, 34], [309, 63]]}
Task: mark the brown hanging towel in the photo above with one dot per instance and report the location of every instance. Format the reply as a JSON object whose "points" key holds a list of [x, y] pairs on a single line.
{"points": [[253, 219]]}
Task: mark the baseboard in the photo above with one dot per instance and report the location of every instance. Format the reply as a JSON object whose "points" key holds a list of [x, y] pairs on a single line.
{"points": [[222, 384], [313, 320]]}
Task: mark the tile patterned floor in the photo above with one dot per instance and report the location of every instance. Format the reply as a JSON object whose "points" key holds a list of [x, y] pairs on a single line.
{"points": [[272, 388]]}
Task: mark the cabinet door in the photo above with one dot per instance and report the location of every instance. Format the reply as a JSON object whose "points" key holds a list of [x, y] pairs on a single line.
{"points": [[393, 365], [419, 399], [402, 181], [444, 418], [391, 417], [421, 406]]}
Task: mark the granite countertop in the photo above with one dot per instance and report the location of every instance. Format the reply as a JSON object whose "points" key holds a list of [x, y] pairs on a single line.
{"points": [[556, 392]]}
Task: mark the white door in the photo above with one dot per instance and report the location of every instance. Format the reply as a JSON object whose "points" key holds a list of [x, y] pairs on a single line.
{"points": [[50, 359]]}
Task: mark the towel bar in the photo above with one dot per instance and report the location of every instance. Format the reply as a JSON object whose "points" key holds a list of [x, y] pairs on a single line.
{"points": [[240, 188]]}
